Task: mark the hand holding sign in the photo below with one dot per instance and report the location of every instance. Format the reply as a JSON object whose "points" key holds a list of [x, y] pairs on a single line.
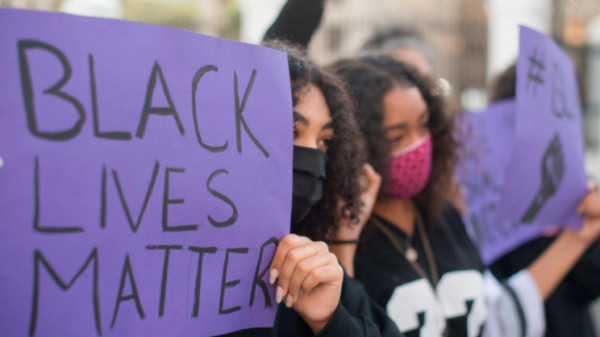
{"points": [[309, 279], [589, 207]]}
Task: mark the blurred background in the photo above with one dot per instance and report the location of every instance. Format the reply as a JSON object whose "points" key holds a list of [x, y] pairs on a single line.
{"points": [[470, 40]]}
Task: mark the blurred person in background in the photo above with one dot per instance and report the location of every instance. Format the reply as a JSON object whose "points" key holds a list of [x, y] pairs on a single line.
{"points": [[403, 44], [567, 313], [415, 257]]}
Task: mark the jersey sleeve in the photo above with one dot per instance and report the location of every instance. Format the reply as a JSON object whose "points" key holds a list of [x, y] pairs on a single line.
{"points": [[515, 307]]}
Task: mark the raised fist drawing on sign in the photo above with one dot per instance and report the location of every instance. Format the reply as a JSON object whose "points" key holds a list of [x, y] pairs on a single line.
{"points": [[553, 169]]}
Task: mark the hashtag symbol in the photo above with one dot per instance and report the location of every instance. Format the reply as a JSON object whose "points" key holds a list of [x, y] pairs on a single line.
{"points": [[536, 68]]}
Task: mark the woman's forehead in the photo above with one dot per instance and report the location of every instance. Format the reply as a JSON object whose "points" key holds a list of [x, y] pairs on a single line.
{"points": [[402, 104], [313, 106]]}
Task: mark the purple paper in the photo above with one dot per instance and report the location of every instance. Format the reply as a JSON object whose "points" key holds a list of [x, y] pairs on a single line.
{"points": [[183, 160], [545, 179], [482, 174]]}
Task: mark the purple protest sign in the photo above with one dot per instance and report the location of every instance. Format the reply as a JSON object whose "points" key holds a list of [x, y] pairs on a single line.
{"points": [[546, 175], [146, 178], [482, 171]]}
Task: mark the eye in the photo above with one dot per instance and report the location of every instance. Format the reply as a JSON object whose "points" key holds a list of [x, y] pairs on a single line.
{"points": [[395, 140], [325, 141], [324, 144]]}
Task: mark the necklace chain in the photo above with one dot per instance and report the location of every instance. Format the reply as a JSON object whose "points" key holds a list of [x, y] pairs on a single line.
{"points": [[404, 252], [426, 245]]}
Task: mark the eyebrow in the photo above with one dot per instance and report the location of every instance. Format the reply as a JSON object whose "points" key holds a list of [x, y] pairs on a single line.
{"points": [[327, 126], [401, 126], [394, 127], [299, 118]]}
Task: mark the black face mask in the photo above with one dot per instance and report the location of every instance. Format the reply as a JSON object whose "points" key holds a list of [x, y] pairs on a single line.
{"points": [[309, 177]]}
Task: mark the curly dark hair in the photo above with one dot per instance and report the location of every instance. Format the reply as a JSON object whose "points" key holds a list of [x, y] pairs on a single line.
{"points": [[346, 149], [370, 78], [504, 85]]}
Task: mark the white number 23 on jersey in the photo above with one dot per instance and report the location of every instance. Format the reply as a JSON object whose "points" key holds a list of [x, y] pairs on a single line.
{"points": [[415, 305]]}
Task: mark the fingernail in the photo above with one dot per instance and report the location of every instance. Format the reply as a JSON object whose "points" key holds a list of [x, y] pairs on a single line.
{"points": [[279, 294], [289, 301], [273, 275]]}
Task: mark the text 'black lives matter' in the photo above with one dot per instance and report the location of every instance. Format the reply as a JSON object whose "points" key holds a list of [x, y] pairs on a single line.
{"points": [[114, 189]]}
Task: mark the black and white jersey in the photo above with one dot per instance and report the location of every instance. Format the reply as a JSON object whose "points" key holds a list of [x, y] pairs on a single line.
{"points": [[468, 301], [419, 310]]}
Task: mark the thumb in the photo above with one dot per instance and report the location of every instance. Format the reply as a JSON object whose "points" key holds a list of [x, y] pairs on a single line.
{"points": [[580, 208], [373, 179], [591, 187], [590, 205]]}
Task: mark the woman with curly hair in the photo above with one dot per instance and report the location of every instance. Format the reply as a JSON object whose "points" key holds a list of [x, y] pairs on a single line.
{"points": [[316, 297], [415, 257]]}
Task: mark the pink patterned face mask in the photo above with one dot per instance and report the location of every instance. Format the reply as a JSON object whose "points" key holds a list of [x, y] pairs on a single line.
{"points": [[410, 169]]}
